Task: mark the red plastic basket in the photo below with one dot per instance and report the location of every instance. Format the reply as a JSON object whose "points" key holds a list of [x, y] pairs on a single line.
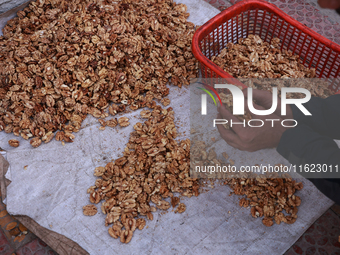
{"points": [[267, 21]]}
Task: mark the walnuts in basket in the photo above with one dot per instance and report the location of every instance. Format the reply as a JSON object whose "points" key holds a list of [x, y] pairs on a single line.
{"points": [[252, 60], [153, 167], [60, 61], [255, 60]]}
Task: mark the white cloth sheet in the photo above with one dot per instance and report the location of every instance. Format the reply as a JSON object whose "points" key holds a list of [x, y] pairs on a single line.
{"points": [[52, 191]]}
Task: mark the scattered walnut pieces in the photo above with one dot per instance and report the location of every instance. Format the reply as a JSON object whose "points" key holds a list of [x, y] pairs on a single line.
{"points": [[89, 210], [225, 155], [244, 202], [99, 171], [60, 136], [123, 121], [149, 215], [115, 231], [14, 143], [193, 131], [174, 201], [268, 221], [102, 122], [111, 122], [181, 208], [140, 223], [48, 137], [61, 61], [145, 114], [68, 137], [268, 195], [126, 236], [153, 167], [165, 101], [35, 142]]}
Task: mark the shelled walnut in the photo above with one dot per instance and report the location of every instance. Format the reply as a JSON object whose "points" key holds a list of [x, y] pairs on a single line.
{"points": [[123, 121], [14, 143], [60, 61], [181, 208], [89, 210], [165, 101], [153, 167], [35, 142]]}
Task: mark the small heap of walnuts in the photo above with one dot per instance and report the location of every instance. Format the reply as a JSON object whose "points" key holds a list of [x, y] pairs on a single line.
{"points": [[154, 167], [61, 60], [269, 196]]}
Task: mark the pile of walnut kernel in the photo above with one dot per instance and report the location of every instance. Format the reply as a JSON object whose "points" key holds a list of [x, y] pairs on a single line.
{"points": [[271, 196], [268, 196], [153, 168], [61, 60], [253, 58], [262, 65]]}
